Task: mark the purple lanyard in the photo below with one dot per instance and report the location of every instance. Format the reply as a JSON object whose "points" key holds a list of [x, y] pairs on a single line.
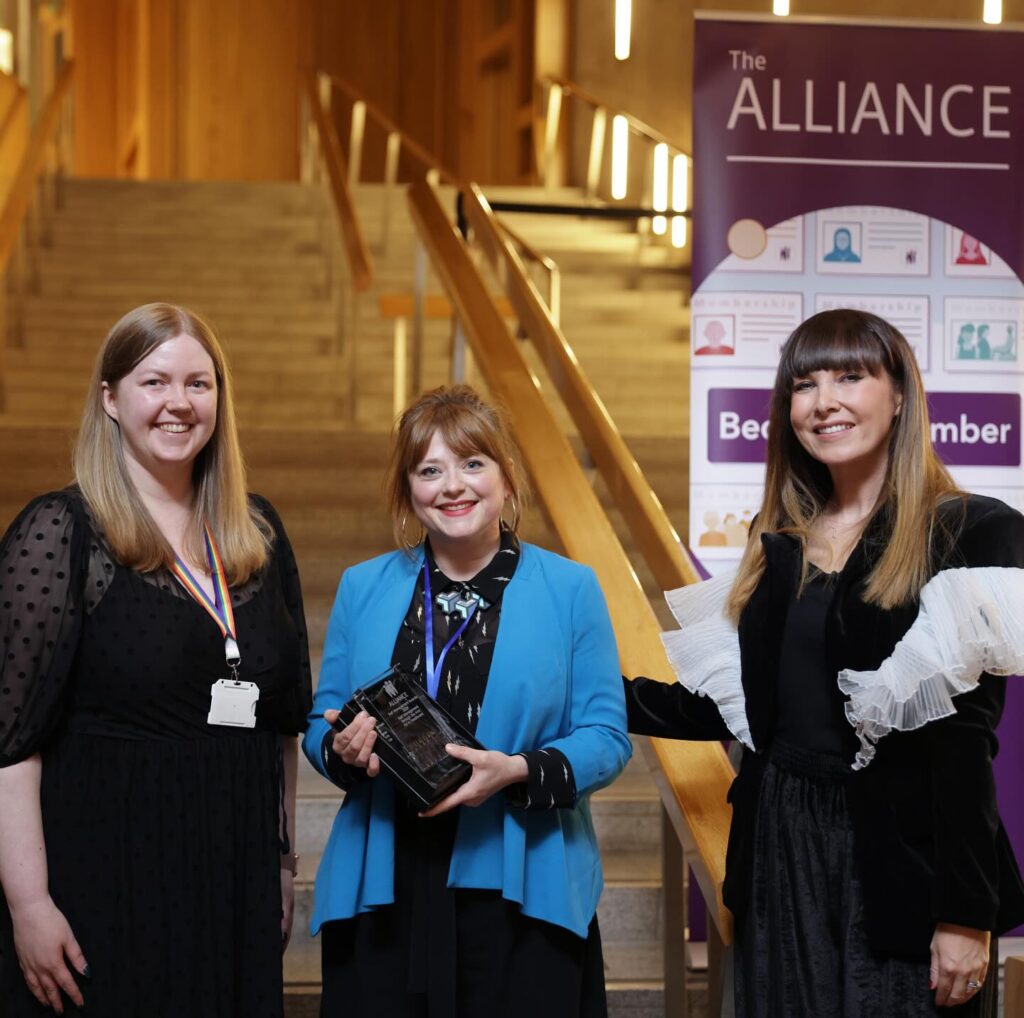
{"points": [[434, 673]]}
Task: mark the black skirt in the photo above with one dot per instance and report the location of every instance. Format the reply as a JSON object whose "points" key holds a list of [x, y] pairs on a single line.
{"points": [[439, 952], [802, 947]]}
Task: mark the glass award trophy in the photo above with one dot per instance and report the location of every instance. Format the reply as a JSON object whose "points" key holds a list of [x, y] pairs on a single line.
{"points": [[412, 731]]}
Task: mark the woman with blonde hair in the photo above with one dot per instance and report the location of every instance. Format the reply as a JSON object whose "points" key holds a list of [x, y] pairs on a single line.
{"points": [[486, 903], [856, 655], [155, 676]]}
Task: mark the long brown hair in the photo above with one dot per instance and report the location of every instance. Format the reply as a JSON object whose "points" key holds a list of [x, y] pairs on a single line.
{"points": [[468, 425], [242, 535], [798, 487]]}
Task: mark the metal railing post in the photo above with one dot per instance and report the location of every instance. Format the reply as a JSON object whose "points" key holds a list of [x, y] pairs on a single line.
{"points": [[643, 226], [47, 204], [551, 124], [345, 319], [400, 376], [555, 294], [305, 140], [596, 154], [673, 871], [325, 89], [63, 153], [459, 353], [350, 352], [16, 291], [355, 141], [33, 232], [720, 993], [394, 149], [419, 286]]}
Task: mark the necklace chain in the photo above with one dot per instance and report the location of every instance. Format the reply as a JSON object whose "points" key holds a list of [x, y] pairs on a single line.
{"points": [[835, 527]]}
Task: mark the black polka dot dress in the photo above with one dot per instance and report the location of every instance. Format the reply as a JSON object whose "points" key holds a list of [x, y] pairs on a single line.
{"points": [[162, 832]]}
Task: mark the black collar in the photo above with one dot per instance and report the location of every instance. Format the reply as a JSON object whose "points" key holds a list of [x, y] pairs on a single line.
{"points": [[491, 581], [783, 551]]}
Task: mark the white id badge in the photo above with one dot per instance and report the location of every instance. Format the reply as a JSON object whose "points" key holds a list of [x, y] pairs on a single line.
{"points": [[233, 702]]}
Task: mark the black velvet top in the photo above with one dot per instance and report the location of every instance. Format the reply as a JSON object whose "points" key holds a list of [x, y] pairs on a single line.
{"points": [[810, 705], [931, 846]]}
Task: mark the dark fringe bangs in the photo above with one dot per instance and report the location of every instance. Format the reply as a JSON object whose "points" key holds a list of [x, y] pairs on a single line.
{"points": [[839, 340]]}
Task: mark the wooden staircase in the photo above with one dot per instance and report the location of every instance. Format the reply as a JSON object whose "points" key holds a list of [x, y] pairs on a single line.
{"points": [[258, 262]]}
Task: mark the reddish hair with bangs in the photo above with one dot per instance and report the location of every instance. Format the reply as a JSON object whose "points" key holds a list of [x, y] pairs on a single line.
{"points": [[468, 425]]}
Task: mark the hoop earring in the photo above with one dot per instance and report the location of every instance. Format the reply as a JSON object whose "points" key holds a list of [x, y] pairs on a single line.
{"points": [[406, 543], [514, 525]]}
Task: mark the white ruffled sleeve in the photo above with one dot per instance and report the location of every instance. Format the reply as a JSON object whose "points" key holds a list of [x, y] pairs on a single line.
{"points": [[970, 621], [705, 651]]}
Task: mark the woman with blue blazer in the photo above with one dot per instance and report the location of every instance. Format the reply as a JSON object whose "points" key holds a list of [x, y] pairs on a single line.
{"points": [[486, 903]]}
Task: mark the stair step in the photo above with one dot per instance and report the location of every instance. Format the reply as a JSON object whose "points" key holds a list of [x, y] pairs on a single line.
{"points": [[258, 262]]}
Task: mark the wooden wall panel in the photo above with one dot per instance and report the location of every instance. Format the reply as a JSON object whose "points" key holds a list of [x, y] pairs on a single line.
{"points": [[158, 90], [238, 87], [96, 87], [372, 47], [438, 70], [128, 110], [189, 89]]}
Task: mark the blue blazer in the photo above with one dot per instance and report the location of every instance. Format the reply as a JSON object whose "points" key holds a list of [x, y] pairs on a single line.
{"points": [[554, 682]]}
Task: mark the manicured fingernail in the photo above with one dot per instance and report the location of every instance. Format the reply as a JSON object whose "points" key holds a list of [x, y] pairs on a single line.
{"points": [[87, 972]]}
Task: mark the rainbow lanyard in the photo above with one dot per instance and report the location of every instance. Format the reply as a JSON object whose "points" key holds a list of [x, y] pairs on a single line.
{"points": [[220, 608]]}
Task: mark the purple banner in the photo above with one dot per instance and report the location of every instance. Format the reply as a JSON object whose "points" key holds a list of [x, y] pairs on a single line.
{"points": [[979, 429], [738, 425], [968, 428], [796, 117]]}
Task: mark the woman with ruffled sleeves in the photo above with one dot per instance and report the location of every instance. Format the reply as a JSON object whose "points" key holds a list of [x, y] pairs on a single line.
{"points": [[859, 655], [146, 820]]}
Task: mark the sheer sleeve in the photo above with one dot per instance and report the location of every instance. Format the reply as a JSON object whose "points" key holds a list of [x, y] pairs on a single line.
{"points": [[293, 719], [42, 578]]}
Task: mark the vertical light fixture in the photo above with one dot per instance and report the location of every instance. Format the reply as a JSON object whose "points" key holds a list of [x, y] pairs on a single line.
{"points": [[992, 13], [680, 198], [780, 8], [6, 51], [659, 188], [620, 156], [679, 231], [623, 28]]}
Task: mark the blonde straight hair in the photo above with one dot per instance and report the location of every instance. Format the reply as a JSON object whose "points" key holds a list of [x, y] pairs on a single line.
{"points": [[242, 535], [798, 487]]}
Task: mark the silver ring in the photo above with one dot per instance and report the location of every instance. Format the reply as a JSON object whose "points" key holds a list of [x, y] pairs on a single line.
{"points": [[973, 984]]}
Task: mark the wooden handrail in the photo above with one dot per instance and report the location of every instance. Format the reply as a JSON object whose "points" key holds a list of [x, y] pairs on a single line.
{"points": [[360, 263], [410, 144], [658, 541], [693, 776], [427, 160], [528, 249], [19, 198], [571, 88]]}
